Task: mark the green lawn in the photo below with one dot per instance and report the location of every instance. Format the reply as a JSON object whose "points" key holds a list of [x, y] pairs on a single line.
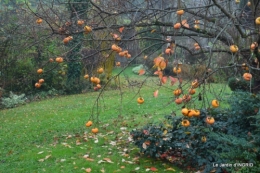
{"points": [[50, 135]]}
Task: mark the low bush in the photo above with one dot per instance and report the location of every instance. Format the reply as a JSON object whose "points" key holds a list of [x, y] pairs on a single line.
{"points": [[44, 95], [13, 100], [235, 83], [233, 138]]}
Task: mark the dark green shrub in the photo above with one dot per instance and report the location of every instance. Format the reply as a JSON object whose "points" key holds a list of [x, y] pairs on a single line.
{"points": [[181, 145], [244, 118], [40, 95], [18, 79], [233, 138], [235, 83]]}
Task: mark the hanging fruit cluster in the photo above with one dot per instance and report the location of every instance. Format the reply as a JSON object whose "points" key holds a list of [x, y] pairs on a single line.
{"points": [[93, 130]]}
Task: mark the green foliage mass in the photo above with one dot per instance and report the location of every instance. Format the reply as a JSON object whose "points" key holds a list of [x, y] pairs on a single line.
{"points": [[233, 138], [74, 65], [19, 74], [235, 83]]}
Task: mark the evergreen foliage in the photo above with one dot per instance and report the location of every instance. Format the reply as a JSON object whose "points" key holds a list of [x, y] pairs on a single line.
{"points": [[238, 84], [233, 138], [73, 84]]}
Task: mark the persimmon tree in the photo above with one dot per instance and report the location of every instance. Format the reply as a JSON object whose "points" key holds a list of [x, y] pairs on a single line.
{"points": [[220, 38], [209, 37]]}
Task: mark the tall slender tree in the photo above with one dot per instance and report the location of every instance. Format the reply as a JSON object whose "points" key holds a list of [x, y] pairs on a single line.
{"points": [[77, 9]]}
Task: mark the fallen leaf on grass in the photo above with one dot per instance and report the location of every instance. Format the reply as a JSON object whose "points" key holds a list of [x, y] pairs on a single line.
{"points": [[69, 136], [136, 159], [110, 132], [78, 142], [66, 145], [125, 161], [130, 138], [46, 157], [85, 156], [123, 128], [85, 135], [137, 168], [126, 155], [101, 161], [106, 125], [89, 159], [88, 170], [41, 160], [108, 160], [41, 152], [113, 143], [102, 170]]}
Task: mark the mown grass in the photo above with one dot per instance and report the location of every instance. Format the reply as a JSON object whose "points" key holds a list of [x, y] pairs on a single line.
{"points": [[50, 135]]}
